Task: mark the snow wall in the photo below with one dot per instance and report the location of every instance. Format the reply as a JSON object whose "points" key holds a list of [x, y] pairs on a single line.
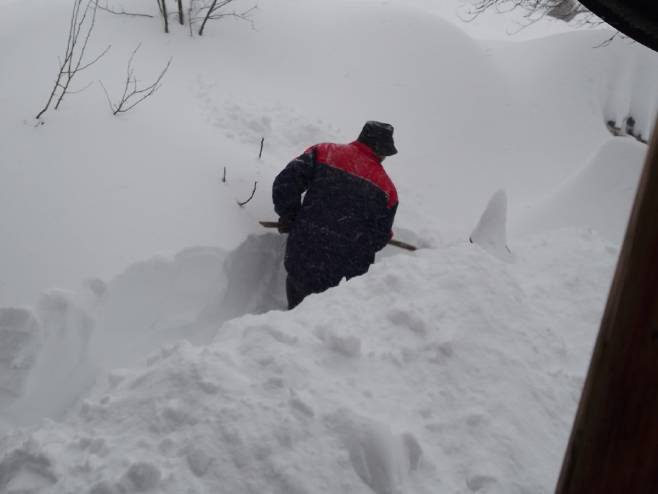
{"points": [[440, 371], [53, 354]]}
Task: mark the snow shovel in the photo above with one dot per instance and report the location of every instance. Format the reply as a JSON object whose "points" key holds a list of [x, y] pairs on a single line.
{"points": [[396, 243]]}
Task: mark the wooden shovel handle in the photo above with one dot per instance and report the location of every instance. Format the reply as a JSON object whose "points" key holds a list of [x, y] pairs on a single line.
{"points": [[395, 243]]}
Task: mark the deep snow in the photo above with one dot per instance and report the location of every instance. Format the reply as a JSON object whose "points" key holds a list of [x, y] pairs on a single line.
{"points": [[448, 370], [471, 117], [444, 371]]}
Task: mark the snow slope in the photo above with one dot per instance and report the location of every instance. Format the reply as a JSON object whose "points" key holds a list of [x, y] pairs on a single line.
{"points": [[599, 196], [438, 372], [448, 370], [471, 117]]}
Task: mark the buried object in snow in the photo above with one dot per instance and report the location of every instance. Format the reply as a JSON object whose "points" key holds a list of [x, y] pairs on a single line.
{"points": [[396, 243]]}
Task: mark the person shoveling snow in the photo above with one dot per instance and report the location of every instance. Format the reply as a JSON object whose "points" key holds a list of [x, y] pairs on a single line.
{"points": [[346, 215]]}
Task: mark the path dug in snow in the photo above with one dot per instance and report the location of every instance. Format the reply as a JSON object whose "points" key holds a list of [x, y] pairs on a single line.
{"points": [[445, 371], [52, 354]]}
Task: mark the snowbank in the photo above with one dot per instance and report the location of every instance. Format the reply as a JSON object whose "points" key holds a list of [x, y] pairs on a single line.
{"points": [[440, 371], [444, 371], [599, 196], [53, 354]]}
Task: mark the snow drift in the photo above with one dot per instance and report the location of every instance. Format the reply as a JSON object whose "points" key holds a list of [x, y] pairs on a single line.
{"points": [[598, 196], [471, 117], [440, 371], [436, 372]]}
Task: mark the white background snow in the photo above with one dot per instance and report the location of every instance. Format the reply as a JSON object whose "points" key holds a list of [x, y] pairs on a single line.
{"points": [[143, 341]]}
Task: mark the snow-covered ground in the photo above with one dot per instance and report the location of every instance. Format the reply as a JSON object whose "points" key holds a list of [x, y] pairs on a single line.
{"points": [[446, 371], [143, 345]]}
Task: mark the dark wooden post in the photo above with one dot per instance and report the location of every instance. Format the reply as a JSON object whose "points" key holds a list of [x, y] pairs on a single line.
{"points": [[614, 441]]}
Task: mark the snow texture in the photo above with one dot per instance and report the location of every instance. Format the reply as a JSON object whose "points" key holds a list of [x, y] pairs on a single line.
{"points": [[454, 369], [441, 370], [66, 211]]}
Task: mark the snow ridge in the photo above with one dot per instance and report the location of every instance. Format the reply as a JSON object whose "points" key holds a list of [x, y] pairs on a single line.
{"points": [[437, 372]]}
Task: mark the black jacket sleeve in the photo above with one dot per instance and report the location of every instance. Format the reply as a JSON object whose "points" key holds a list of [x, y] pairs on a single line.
{"points": [[291, 183], [382, 232]]}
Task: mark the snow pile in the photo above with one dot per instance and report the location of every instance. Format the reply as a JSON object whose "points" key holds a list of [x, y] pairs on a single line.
{"points": [[437, 372], [52, 355]]}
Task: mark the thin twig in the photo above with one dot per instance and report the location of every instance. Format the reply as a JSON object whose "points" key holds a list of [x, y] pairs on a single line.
{"points": [[212, 13], [253, 192], [122, 12], [74, 69], [78, 91], [534, 11], [96, 59], [131, 95], [609, 40], [190, 11], [107, 95]]}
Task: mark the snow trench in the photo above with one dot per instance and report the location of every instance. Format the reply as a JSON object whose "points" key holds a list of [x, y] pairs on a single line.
{"points": [[53, 353]]}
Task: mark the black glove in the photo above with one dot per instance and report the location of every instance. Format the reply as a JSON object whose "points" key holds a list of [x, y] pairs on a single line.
{"points": [[284, 225]]}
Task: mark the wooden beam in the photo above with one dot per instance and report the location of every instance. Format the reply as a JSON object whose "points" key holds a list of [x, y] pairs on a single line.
{"points": [[613, 446]]}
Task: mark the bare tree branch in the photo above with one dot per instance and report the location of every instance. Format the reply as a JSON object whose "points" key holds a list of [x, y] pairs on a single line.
{"points": [[74, 67], [96, 59], [213, 11], [609, 40], [181, 18], [107, 95], [165, 15], [106, 8], [81, 23], [78, 91], [189, 17], [534, 10], [132, 96]]}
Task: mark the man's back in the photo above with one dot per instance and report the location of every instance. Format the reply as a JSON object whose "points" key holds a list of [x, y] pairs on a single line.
{"points": [[345, 217]]}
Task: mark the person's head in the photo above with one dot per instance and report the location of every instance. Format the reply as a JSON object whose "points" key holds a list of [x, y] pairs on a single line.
{"points": [[378, 136]]}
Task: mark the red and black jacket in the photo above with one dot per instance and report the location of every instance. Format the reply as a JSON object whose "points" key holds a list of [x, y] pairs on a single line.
{"points": [[343, 220]]}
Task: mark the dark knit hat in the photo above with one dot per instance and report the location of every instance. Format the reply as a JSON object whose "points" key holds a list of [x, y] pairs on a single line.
{"points": [[379, 137]]}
